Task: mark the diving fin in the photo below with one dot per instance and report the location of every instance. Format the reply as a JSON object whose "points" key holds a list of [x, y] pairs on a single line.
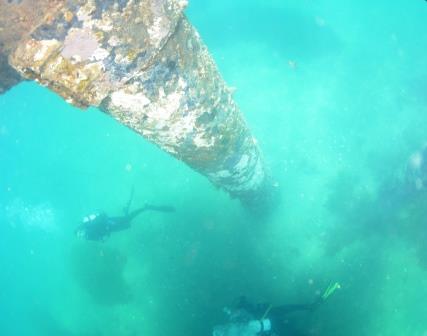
{"points": [[330, 290]]}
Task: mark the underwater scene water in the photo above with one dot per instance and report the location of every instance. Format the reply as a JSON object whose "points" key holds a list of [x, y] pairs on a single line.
{"points": [[335, 93]]}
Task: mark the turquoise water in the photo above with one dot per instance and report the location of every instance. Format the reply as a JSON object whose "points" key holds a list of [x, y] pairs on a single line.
{"points": [[335, 93]]}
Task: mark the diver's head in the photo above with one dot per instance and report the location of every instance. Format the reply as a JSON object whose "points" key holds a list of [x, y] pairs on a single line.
{"points": [[86, 223], [80, 231]]}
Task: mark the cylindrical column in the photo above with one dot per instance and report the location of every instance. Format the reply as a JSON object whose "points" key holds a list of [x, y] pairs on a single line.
{"points": [[145, 65], [18, 18]]}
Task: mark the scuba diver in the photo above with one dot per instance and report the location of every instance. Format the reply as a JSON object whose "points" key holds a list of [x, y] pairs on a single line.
{"points": [[99, 226], [248, 319]]}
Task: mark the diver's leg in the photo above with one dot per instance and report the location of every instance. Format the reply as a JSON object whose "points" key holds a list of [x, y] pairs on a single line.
{"points": [[161, 208], [135, 213], [130, 216]]}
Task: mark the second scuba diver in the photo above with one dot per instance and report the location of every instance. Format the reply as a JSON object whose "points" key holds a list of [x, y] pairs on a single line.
{"points": [[248, 319]]}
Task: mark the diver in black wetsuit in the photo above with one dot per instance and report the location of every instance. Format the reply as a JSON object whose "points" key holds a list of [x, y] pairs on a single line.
{"points": [[249, 319], [99, 226]]}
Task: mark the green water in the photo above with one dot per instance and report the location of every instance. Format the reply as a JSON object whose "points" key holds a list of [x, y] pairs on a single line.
{"points": [[336, 94]]}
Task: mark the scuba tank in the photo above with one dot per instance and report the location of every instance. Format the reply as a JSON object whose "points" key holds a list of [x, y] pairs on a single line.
{"points": [[250, 328]]}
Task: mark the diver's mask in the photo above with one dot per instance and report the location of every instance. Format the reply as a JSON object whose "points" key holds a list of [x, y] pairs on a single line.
{"points": [[89, 218], [81, 232]]}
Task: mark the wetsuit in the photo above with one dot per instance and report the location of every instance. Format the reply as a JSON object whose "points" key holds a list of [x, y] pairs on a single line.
{"points": [[99, 226], [248, 319]]}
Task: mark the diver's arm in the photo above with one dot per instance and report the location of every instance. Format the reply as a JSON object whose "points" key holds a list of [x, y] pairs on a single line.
{"points": [[127, 207]]}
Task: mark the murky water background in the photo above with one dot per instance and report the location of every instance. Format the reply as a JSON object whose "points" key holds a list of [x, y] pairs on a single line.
{"points": [[335, 93]]}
